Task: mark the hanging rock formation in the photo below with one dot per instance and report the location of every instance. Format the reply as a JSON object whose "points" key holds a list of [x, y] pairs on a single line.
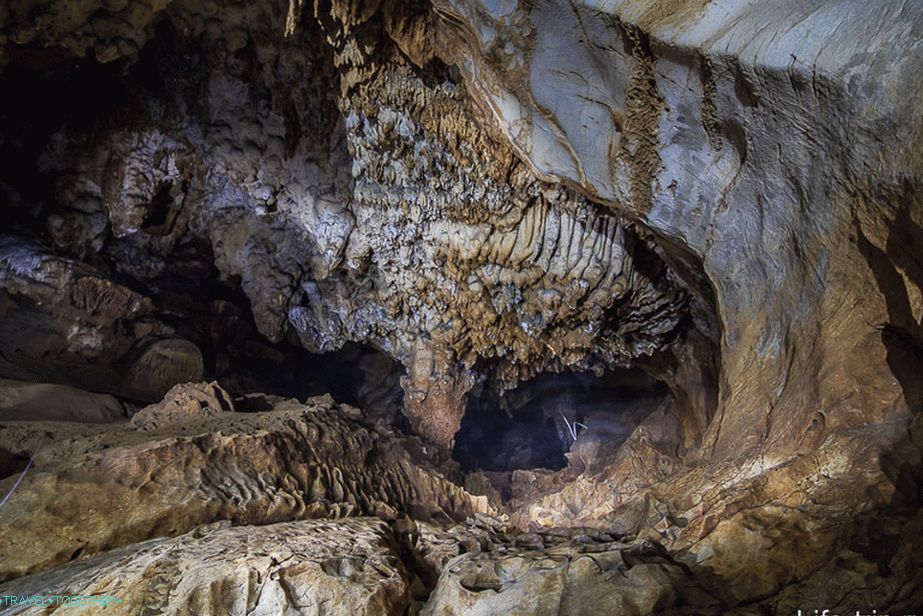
{"points": [[454, 198]]}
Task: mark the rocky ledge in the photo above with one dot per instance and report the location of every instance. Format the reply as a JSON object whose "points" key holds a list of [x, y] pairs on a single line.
{"points": [[462, 306]]}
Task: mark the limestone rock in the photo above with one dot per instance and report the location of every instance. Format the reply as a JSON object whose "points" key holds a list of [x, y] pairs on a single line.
{"points": [[741, 137], [184, 403], [348, 567], [25, 401], [65, 321], [583, 575], [158, 365], [725, 194], [382, 212], [117, 485]]}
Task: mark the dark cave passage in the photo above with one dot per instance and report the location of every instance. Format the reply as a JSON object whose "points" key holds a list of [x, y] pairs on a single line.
{"points": [[461, 307], [535, 425], [11, 463], [358, 375]]}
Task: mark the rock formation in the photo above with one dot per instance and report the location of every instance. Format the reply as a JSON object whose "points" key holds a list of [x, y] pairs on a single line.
{"points": [[620, 305], [295, 567]]}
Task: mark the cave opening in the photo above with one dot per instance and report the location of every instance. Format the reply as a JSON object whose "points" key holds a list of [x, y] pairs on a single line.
{"points": [[537, 424], [359, 375]]}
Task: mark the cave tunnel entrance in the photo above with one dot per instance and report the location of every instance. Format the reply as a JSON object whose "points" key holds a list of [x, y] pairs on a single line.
{"points": [[534, 425], [359, 375]]}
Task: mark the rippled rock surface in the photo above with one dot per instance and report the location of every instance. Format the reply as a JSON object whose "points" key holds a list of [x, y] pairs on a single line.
{"points": [[619, 304]]}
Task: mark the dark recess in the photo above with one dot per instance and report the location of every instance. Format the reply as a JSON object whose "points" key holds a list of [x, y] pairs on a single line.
{"points": [[526, 428]]}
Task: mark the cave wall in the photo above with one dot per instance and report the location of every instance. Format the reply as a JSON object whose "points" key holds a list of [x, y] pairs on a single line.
{"points": [[725, 194], [771, 148], [353, 191], [755, 146]]}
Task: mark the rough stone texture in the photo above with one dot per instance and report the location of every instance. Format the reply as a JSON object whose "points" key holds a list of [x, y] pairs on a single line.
{"points": [[158, 364], [577, 579], [310, 567], [749, 137], [63, 320], [487, 566], [184, 403], [726, 194], [92, 489], [384, 212]]}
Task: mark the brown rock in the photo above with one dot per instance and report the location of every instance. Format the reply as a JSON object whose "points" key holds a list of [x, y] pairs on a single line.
{"points": [[570, 579], [184, 403], [120, 485], [348, 567], [158, 365], [25, 401]]}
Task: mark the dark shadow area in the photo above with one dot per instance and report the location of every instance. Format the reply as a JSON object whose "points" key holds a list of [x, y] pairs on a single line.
{"points": [[216, 315], [44, 89], [54, 101], [534, 425], [358, 375], [11, 464], [902, 335], [490, 440]]}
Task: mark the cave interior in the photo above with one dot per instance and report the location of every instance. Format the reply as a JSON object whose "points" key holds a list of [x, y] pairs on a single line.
{"points": [[427, 298]]}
